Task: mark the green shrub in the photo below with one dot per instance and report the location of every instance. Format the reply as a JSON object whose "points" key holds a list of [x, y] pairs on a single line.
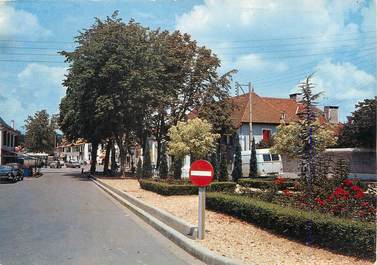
{"points": [[345, 236], [264, 183], [182, 188]]}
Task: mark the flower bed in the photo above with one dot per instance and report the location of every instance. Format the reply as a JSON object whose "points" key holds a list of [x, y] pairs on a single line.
{"points": [[169, 188], [342, 235], [266, 183]]}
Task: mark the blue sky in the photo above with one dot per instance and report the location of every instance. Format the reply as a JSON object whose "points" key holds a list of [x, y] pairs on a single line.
{"points": [[273, 43]]}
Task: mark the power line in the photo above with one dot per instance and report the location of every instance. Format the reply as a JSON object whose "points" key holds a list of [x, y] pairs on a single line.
{"points": [[226, 41]]}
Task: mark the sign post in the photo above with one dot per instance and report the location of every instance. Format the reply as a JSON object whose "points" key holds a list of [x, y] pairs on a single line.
{"points": [[201, 175]]}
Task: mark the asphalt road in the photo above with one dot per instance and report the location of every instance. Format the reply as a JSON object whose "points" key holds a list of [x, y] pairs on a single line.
{"points": [[62, 219]]}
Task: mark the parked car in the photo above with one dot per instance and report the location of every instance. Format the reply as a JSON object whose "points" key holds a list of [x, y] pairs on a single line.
{"points": [[19, 168], [55, 164], [267, 164], [73, 164], [10, 173]]}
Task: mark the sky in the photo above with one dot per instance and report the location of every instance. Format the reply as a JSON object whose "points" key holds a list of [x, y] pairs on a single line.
{"points": [[274, 44]]}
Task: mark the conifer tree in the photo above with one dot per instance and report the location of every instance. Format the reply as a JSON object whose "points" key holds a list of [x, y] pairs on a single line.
{"points": [[223, 175], [253, 161], [237, 164]]}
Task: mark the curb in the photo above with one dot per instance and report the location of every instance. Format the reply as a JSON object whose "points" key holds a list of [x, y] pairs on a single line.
{"points": [[190, 246], [183, 227]]}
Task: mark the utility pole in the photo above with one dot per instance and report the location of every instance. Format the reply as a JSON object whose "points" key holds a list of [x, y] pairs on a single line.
{"points": [[251, 90]]}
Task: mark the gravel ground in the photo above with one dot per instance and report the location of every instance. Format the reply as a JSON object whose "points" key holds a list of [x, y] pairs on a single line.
{"points": [[234, 238]]}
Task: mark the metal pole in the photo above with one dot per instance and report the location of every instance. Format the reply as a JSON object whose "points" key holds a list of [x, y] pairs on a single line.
{"points": [[250, 116], [202, 207]]}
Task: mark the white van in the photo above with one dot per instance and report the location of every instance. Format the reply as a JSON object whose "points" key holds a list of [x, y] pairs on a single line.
{"points": [[267, 163]]}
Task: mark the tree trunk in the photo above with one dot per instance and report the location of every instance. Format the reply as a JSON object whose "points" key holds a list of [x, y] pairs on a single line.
{"points": [[107, 156], [94, 158], [122, 155], [113, 161]]}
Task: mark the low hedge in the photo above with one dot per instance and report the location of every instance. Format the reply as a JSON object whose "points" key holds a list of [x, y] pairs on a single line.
{"points": [[167, 189], [264, 183], [345, 236]]}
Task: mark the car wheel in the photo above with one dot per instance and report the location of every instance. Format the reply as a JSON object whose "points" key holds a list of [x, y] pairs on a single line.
{"points": [[13, 177]]}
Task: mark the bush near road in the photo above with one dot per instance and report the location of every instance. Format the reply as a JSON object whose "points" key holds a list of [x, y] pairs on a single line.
{"points": [[168, 188], [341, 235]]}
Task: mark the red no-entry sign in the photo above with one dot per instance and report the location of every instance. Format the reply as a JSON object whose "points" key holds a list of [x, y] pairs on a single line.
{"points": [[201, 173]]}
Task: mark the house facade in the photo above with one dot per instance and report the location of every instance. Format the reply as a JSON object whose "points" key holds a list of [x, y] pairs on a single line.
{"points": [[268, 113], [8, 142]]}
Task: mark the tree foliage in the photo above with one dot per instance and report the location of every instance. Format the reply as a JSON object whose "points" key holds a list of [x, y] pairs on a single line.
{"points": [[253, 170], [40, 132], [237, 164], [128, 82], [287, 142], [360, 129], [223, 171], [193, 137]]}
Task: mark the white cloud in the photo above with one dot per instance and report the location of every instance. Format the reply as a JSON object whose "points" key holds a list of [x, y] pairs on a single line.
{"points": [[18, 23], [282, 35], [35, 88], [344, 84], [256, 63], [272, 18]]}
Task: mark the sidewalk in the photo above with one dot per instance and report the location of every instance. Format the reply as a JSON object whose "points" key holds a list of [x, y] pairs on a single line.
{"points": [[234, 238]]}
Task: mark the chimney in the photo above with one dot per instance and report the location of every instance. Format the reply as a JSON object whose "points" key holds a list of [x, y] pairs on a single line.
{"points": [[331, 114], [296, 97], [13, 125]]}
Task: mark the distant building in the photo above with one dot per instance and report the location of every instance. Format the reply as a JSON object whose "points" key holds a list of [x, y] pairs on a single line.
{"points": [[8, 142], [268, 113], [79, 151]]}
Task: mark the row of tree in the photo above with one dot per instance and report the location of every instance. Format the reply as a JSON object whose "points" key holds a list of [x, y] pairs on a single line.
{"points": [[126, 83]]}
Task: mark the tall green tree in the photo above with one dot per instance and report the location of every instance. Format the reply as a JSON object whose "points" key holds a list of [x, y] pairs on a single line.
{"points": [[40, 132], [237, 164], [360, 129], [214, 160], [188, 80], [223, 174], [308, 149], [253, 170]]}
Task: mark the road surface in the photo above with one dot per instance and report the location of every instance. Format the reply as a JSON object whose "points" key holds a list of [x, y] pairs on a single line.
{"points": [[63, 219]]}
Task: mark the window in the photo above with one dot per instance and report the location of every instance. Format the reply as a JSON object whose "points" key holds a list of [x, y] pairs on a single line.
{"points": [[275, 157], [266, 157], [266, 133]]}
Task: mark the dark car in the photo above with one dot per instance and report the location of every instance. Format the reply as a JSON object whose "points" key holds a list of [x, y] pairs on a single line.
{"points": [[9, 173], [73, 164], [19, 168]]}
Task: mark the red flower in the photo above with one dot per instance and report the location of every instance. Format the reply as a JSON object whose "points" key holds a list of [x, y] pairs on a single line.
{"points": [[356, 188], [359, 195], [341, 193], [365, 204], [347, 182], [279, 181], [330, 198], [287, 193], [320, 201]]}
